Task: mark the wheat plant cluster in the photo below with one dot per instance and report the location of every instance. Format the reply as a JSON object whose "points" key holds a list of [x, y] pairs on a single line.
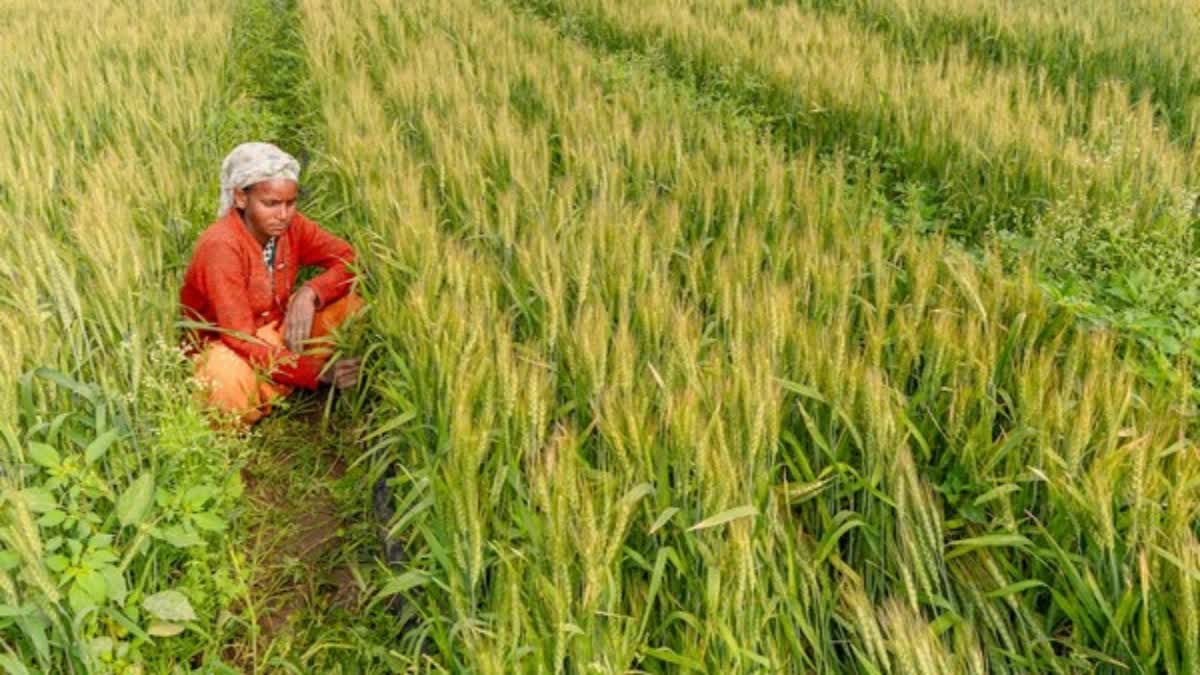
{"points": [[728, 336]]}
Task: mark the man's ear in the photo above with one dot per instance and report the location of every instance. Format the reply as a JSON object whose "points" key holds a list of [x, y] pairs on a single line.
{"points": [[239, 198]]}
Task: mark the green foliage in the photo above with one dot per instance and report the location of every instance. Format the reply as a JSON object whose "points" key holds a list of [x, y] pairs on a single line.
{"points": [[670, 356], [85, 528], [679, 371]]}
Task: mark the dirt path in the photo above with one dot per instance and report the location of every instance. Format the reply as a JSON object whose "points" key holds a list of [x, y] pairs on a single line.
{"points": [[294, 535]]}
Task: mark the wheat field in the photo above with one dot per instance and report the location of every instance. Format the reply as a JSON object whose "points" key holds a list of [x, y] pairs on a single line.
{"points": [[811, 336]]}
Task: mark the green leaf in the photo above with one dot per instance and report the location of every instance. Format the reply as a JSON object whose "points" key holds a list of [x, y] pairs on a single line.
{"points": [[83, 390], [134, 503], [39, 500], [1018, 587], [169, 606], [96, 449], [197, 495], [208, 520], [662, 519], [401, 583], [9, 560], [179, 536], [79, 598], [101, 647], [996, 493], [801, 389], [100, 540], [725, 517], [164, 629], [44, 455], [998, 540], [12, 666], [671, 656], [57, 563], [117, 588], [637, 492], [34, 627], [92, 582], [52, 518]]}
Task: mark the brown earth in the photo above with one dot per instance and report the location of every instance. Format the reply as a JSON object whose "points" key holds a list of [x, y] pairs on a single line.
{"points": [[291, 532]]}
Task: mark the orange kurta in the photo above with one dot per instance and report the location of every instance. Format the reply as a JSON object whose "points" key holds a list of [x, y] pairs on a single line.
{"points": [[228, 286]]}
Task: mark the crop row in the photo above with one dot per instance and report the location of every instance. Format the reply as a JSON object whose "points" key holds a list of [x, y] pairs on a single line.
{"points": [[995, 155], [1149, 46], [668, 394], [113, 487]]}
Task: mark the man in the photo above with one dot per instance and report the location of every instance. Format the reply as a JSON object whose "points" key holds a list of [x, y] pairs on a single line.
{"points": [[239, 287]]}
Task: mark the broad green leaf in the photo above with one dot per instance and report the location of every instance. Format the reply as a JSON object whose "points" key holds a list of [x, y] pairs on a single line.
{"points": [[725, 517], [39, 500], [96, 449], [57, 563], [12, 666], [44, 455], [179, 536], [164, 629], [134, 503], [117, 588], [100, 540], [98, 558], [79, 598], [197, 495], [52, 518], [169, 606], [209, 521], [93, 584], [101, 647], [34, 627]]}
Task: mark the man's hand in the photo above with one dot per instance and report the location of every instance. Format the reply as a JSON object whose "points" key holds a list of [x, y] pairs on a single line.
{"points": [[298, 321], [343, 374]]}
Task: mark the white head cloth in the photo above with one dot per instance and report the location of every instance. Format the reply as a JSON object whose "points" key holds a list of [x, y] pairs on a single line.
{"points": [[250, 163]]}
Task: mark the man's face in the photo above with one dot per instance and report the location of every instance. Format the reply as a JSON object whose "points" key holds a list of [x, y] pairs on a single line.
{"points": [[268, 206]]}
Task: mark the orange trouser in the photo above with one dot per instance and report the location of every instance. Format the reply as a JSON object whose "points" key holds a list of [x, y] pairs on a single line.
{"points": [[234, 386]]}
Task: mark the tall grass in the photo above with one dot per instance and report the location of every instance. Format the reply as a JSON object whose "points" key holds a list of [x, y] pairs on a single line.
{"points": [[1090, 180], [1149, 46], [667, 394], [113, 487]]}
